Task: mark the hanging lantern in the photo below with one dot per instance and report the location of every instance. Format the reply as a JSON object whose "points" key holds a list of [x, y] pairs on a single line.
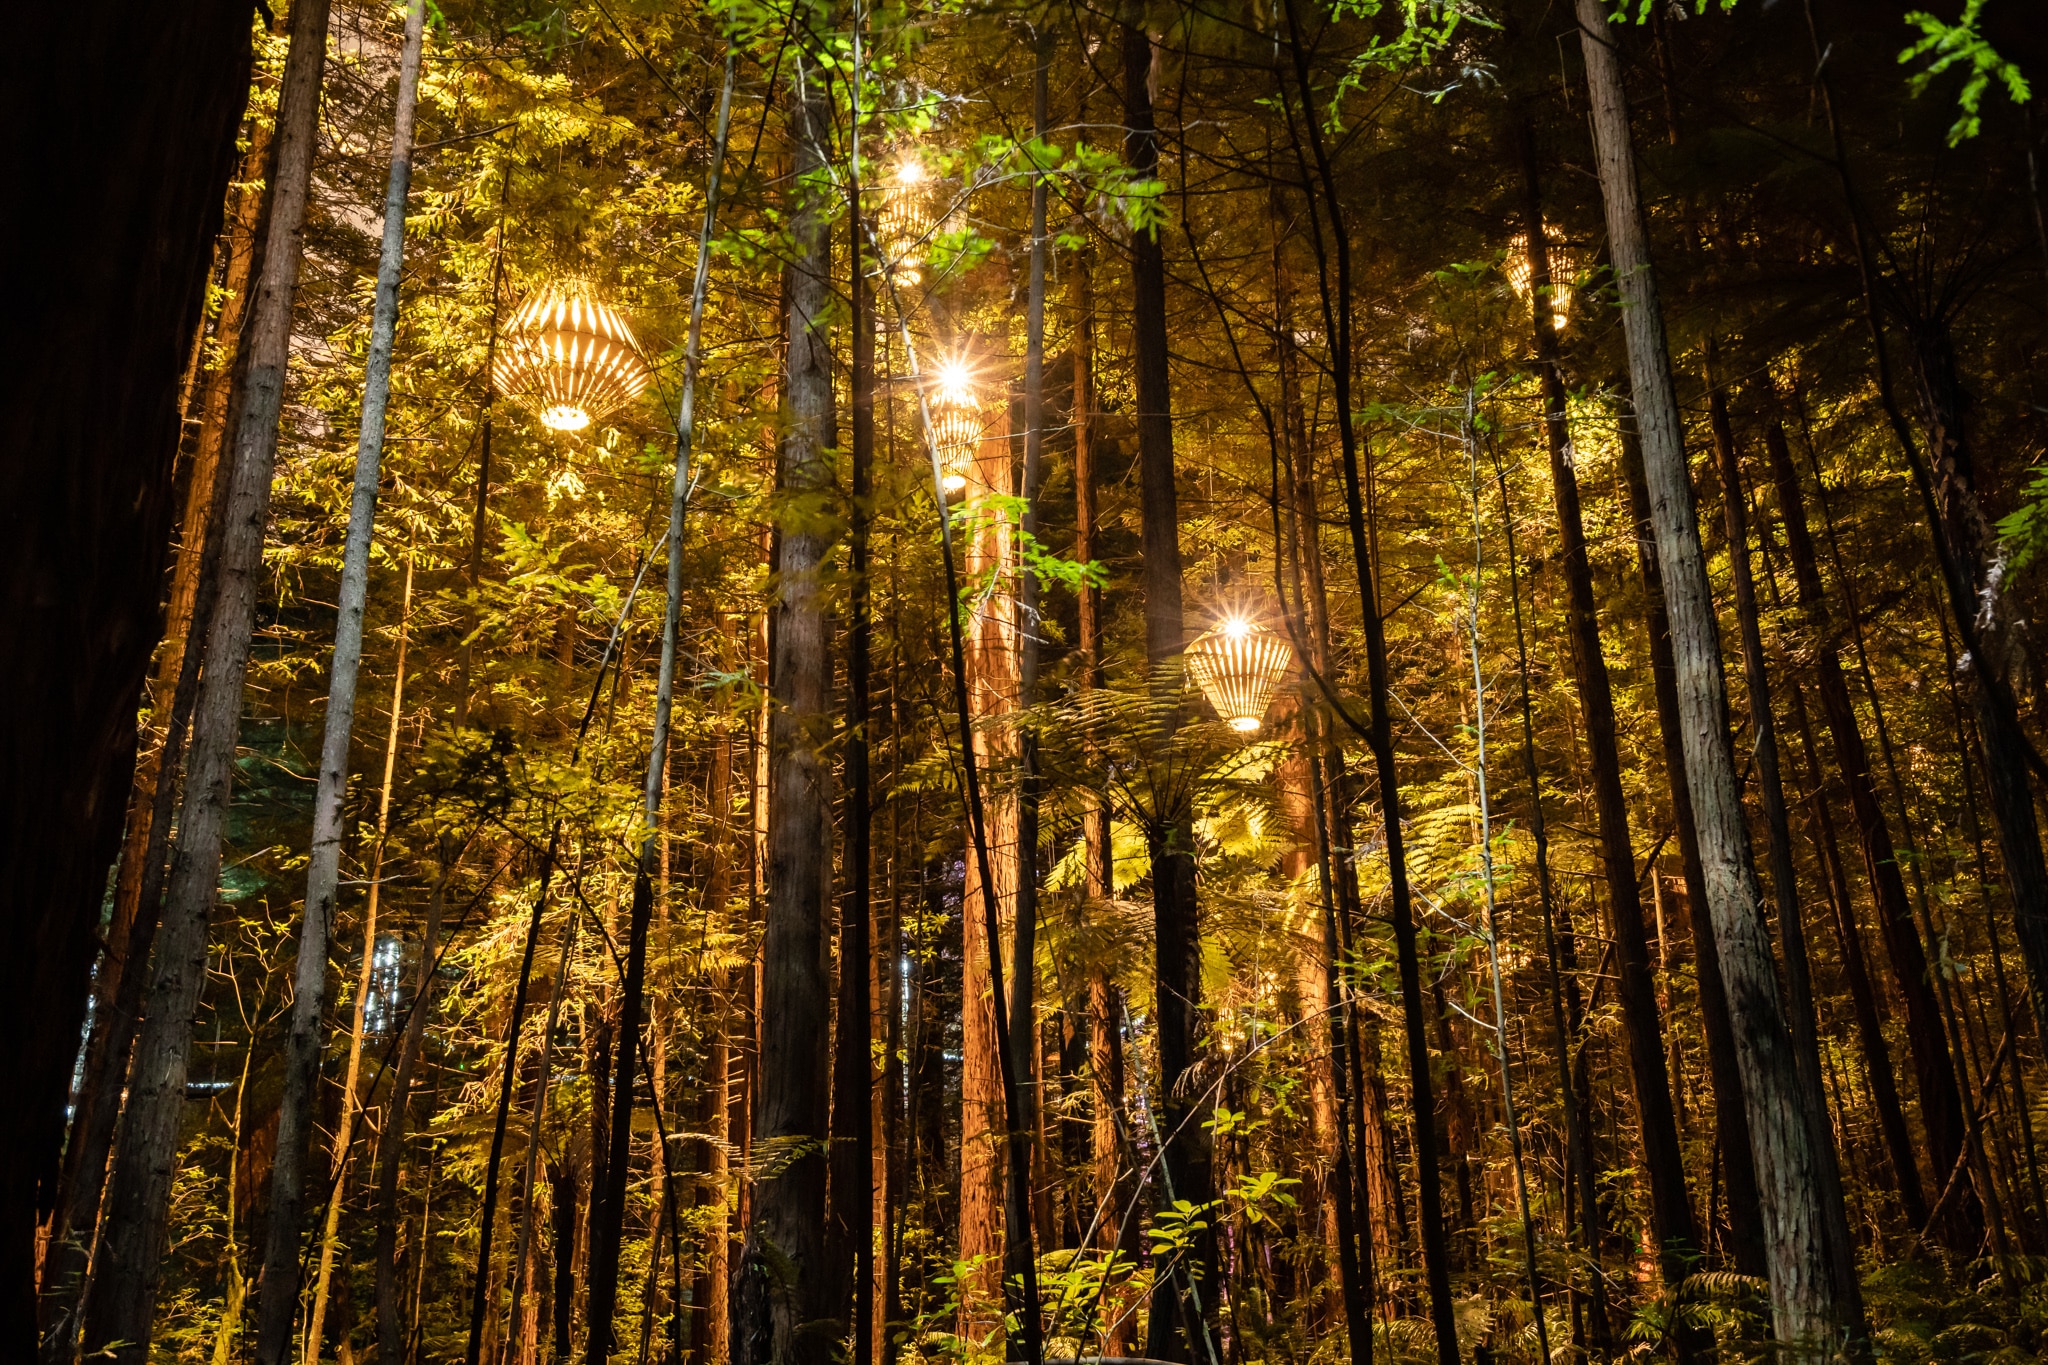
{"points": [[1238, 665], [906, 216], [568, 357], [1521, 275], [957, 424]]}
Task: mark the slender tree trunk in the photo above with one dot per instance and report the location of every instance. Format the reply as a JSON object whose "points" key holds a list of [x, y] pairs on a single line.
{"points": [[1179, 1322], [117, 992], [1024, 960], [1567, 1011], [1806, 1313], [351, 1100], [850, 1209], [1731, 1117], [1799, 1006], [780, 1262], [391, 1137], [1337, 302], [278, 1290], [123, 1305], [1670, 1208], [1115, 1231], [1880, 863], [98, 1105]]}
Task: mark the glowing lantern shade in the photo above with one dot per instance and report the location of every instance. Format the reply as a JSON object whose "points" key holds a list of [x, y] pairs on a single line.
{"points": [[1521, 275], [568, 357], [1238, 665], [957, 423], [906, 216]]}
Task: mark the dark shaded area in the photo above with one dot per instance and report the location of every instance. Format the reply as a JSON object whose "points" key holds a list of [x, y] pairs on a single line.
{"points": [[120, 136]]}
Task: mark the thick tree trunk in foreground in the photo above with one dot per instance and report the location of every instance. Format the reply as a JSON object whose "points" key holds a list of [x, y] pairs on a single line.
{"points": [[123, 1300], [279, 1292], [127, 120], [779, 1264], [1805, 1311]]}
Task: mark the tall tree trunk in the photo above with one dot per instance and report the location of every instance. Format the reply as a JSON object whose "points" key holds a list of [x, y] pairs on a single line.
{"points": [[1178, 1325], [351, 1102], [391, 1135], [1116, 1231], [1731, 1116], [850, 1207], [1805, 1308], [780, 1261], [991, 633], [1880, 862], [1560, 946], [1378, 731], [122, 1305], [1799, 1006], [278, 1290], [1023, 1001], [127, 119], [1670, 1207]]}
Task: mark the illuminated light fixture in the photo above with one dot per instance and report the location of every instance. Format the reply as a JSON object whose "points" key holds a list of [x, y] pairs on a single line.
{"points": [[1238, 665], [906, 217], [1521, 275], [568, 357], [957, 423]]}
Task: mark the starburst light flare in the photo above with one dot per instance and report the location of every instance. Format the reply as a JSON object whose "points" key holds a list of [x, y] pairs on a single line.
{"points": [[957, 422], [1238, 664]]}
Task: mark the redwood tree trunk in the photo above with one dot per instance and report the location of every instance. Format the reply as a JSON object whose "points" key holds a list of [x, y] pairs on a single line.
{"points": [[780, 1260], [127, 120], [122, 1303], [1805, 1310]]}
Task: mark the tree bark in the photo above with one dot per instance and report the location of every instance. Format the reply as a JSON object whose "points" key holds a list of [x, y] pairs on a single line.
{"points": [[1880, 862], [391, 1137], [1731, 1117], [1799, 1006], [127, 119], [1671, 1209], [850, 1206], [1804, 1308], [992, 682], [123, 1302], [1178, 1326], [278, 1290], [781, 1258]]}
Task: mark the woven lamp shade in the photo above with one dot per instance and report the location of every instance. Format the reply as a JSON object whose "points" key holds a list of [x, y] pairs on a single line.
{"points": [[905, 217], [568, 357], [1521, 274], [1239, 665], [958, 422]]}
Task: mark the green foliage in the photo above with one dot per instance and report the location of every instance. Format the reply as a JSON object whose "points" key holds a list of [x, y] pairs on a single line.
{"points": [[1945, 45]]}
